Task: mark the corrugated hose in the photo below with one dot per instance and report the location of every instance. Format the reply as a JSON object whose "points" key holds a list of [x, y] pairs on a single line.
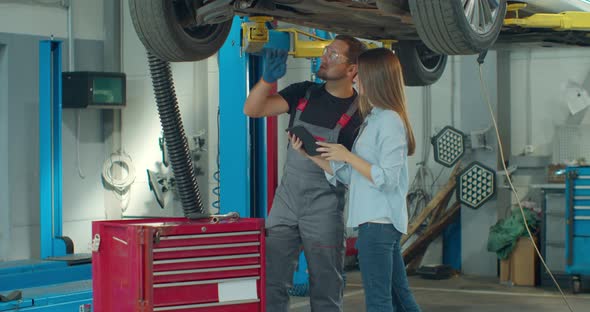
{"points": [[176, 142]]}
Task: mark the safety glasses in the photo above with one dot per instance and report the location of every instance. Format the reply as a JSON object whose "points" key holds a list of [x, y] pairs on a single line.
{"points": [[334, 57]]}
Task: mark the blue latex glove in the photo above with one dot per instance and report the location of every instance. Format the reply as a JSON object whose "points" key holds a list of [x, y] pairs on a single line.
{"points": [[275, 64]]}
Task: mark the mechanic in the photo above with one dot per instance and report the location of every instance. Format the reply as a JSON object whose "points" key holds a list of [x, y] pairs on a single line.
{"points": [[307, 211]]}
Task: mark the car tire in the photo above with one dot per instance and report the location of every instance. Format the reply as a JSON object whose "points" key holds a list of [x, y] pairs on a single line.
{"points": [[420, 65], [158, 28], [444, 26]]}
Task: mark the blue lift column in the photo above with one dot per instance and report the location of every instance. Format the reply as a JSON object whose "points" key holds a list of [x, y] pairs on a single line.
{"points": [[50, 160], [234, 143], [242, 141], [45, 285]]}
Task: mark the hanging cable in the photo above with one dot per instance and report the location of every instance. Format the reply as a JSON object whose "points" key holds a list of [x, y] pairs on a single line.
{"points": [[119, 182], [216, 190], [485, 95], [80, 173], [420, 191]]}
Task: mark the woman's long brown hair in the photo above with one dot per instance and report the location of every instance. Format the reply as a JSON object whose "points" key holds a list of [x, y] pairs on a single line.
{"points": [[382, 83]]}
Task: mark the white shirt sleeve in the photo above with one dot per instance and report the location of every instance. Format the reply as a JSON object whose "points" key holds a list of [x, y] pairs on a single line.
{"points": [[341, 172]]}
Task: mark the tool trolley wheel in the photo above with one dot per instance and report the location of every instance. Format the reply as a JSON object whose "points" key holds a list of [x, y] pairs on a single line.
{"points": [[167, 29], [457, 27]]}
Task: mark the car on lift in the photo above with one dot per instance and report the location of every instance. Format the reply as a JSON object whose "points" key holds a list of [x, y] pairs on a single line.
{"points": [[426, 31]]}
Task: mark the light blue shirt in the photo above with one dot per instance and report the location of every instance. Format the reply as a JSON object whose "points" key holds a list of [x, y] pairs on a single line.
{"points": [[382, 142]]}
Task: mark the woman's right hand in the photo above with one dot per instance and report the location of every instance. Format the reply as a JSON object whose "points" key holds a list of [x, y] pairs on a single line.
{"points": [[297, 144]]}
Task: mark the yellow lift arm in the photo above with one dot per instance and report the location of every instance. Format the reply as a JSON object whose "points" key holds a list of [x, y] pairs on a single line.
{"points": [[256, 35], [559, 21]]}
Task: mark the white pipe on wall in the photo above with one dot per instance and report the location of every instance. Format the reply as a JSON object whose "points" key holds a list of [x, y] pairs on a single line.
{"points": [[71, 48], [528, 100], [5, 205]]}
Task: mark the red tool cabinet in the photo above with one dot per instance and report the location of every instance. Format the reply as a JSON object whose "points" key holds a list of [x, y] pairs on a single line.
{"points": [[179, 265]]}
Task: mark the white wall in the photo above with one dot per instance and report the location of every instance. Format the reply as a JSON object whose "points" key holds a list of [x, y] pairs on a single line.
{"points": [[537, 97], [22, 17], [88, 19], [83, 145], [5, 226], [31, 18], [83, 201]]}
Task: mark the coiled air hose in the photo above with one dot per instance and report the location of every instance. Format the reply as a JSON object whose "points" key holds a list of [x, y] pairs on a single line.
{"points": [[176, 142]]}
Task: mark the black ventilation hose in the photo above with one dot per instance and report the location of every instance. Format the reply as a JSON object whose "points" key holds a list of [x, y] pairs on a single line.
{"points": [[177, 145]]}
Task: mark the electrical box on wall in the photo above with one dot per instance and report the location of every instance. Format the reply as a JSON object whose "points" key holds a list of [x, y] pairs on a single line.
{"points": [[94, 90]]}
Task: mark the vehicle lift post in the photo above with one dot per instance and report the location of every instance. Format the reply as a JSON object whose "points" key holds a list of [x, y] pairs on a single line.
{"points": [[49, 283]]}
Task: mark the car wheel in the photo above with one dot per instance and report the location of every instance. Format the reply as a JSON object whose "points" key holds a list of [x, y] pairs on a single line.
{"points": [[420, 65], [457, 27], [163, 29]]}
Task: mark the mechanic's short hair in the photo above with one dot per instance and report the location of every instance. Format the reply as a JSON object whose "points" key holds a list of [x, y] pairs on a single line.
{"points": [[355, 47]]}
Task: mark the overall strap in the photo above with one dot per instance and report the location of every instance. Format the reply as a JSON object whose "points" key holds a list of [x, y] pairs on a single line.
{"points": [[347, 116], [302, 103]]}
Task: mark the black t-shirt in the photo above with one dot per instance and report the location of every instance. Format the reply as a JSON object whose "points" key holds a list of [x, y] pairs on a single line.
{"points": [[323, 109]]}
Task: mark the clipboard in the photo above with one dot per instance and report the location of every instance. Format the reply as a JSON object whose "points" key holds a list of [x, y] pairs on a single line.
{"points": [[307, 138]]}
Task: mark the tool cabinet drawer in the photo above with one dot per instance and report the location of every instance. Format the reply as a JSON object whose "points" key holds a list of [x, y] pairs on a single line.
{"points": [[176, 264]]}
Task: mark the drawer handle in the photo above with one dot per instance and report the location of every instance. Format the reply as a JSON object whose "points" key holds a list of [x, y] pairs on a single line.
{"points": [[204, 305], [197, 236], [199, 259], [206, 247], [221, 269], [213, 281]]}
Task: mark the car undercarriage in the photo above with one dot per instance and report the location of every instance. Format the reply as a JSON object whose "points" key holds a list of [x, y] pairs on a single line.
{"points": [[425, 31]]}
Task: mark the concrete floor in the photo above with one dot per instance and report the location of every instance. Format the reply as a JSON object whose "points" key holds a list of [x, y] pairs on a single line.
{"points": [[464, 294]]}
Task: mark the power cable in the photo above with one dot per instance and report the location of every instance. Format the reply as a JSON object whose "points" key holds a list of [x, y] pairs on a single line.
{"points": [[120, 184], [485, 95], [80, 172], [216, 190]]}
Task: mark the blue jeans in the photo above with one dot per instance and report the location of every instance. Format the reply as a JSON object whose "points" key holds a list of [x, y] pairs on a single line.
{"points": [[383, 269]]}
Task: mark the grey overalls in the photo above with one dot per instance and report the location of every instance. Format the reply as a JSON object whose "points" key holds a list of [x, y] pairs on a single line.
{"points": [[307, 211]]}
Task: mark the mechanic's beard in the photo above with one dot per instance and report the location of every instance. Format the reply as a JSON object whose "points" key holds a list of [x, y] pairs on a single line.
{"points": [[323, 74]]}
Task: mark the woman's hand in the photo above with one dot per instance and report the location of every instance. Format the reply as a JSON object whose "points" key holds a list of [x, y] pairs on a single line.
{"points": [[332, 151], [297, 144]]}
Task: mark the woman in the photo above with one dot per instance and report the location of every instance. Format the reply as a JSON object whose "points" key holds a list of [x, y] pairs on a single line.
{"points": [[377, 174]]}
